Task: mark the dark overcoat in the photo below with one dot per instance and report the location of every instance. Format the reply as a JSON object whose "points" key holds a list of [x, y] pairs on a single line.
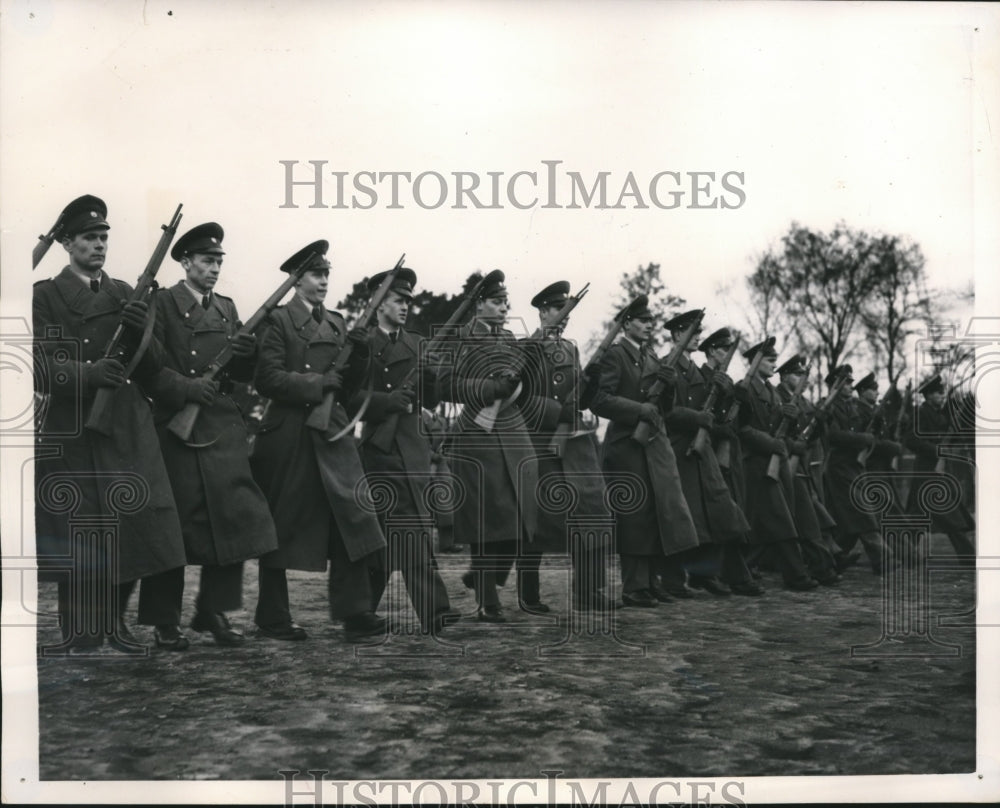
{"points": [[846, 438], [315, 488], [811, 517], [556, 380], [932, 429], [223, 512], [769, 503], [654, 519], [72, 327], [715, 513], [498, 469]]}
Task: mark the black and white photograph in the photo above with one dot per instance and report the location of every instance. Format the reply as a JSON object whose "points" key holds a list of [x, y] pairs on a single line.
{"points": [[499, 402]]}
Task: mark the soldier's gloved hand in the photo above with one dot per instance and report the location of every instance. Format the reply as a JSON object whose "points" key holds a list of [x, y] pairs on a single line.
{"points": [[795, 447], [504, 386], [778, 447], [741, 394], [666, 375], [358, 337], [401, 400], [723, 432], [134, 314], [567, 415], [704, 419], [202, 391], [244, 345], [332, 380], [869, 439], [649, 413], [790, 411], [107, 373], [721, 380]]}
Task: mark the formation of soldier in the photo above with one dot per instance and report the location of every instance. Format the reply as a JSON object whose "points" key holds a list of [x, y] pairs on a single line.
{"points": [[700, 480]]}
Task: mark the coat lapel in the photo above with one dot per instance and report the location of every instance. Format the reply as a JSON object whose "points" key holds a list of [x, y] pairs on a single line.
{"points": [[80, 299]]}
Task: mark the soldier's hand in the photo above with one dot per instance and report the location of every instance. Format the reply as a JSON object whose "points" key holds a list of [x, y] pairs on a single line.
{"points": [[202, 391], [869, 439], [649, 413], [721, 380], [723, 432], [401, 400], [244, 345], [504, 386], [358, 337], [134, 314], [332, 380], [704, 419], [790, 411], [107, 373], [796, 447], [666, 375]]}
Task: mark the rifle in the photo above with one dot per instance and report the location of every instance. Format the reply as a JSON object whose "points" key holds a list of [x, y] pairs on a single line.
{"points": [[701, 439], [774, 465], [810, 427], [383, 434], [487, 416], [643, 432], [725, 447], [44, 242], [182, 424], [319, 418], [864, 454], [100, 419]]}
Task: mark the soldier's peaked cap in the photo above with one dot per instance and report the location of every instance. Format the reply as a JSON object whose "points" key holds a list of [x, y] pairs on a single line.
{"points": [[555, 294], [638, 309], [794, 364], [842, 370], [83, 214], [868, 382], [493, 285], [205, 238], [935, 384], [402, 284], [319, 261], [767, 346], [723, 338], [682, 321]]}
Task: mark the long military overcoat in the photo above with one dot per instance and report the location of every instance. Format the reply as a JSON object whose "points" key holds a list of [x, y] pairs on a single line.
{"points": [[315, 488], [846, 438], [223, 512], [497, 467], [811, 517], [72, 326], [655, 518]]}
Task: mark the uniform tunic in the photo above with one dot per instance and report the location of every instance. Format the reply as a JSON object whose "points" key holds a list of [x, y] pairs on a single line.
{"points": [[312, 486], [223, 512], [845, 439], [653, 518], [72, 327]]}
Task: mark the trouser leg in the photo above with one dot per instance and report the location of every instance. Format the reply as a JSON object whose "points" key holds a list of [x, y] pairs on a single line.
{"points": [[790, 562], [528, 578], [220, 588], [704, 561], [273, 608], [491, 564], [637, 573], [734, 566], [426, 590], [589, 570], [160, 598], [353, 586]]}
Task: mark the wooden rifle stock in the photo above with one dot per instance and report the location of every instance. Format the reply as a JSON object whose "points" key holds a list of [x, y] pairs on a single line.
{"points": [[774, 465], [101, 411], [643, 432], [701, 439], [319, 418], [810, 427], [182, 424]]}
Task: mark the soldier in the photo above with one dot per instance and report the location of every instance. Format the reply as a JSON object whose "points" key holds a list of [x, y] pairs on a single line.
{"points": [[224, 515], [560, 395], [874, 419], [653, 532], [721, 525], [490, 449], [82, 307], [309, 481], [393, 447], [811, 518], [847, 436], [770, 502], [931, 429]]}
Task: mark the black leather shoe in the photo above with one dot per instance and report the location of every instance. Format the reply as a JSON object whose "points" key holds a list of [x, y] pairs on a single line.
{"points": [[285, 631], [123, 641], [748, 588], [170, 638], [678, 590], [469, 579], [218, 624], [491, 614], [802, 585], [534, 608], [366, 624], [713, 585], [660, 595], [846, 560], [642, 599]]}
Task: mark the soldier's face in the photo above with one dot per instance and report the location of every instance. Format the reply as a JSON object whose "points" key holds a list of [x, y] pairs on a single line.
{"points": [[692, 346], [87, 251], [767, 366], [394, 309], [639, 329], [717, 354], [790, 379], [312, 286], [936, 399], [202, 270], [869, 394], [493, 309], [547, 316]]}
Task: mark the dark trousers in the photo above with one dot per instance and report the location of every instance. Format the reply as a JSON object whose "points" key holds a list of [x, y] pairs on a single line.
{"points": [[160, 596], [413, 556], [723, 561], [818, 558], [641, 572], [870, 540], [491, 564], [589, 573], [86, 616]]}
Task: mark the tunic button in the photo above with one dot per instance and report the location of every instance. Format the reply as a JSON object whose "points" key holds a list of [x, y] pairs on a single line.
{"points": [[192, 371], [388, 387], [194, 353], [85, 341], [88, 361], [308, 366], [186, 314]]}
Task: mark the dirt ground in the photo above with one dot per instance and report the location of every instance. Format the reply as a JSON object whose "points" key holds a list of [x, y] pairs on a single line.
{"points": [[711, 686]]}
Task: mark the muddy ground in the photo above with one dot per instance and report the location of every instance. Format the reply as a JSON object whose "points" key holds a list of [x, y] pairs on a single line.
{"points": [[738, 686]]}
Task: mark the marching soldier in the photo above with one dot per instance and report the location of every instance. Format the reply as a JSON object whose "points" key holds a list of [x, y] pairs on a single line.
{"points": [[490, 449], [82, 307], [721, 525], [309, 481], [846, 437], [931, 429], [393, 447], [653, 535], [560, 395], [223, 513], [885, 449], [770, 503]]}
